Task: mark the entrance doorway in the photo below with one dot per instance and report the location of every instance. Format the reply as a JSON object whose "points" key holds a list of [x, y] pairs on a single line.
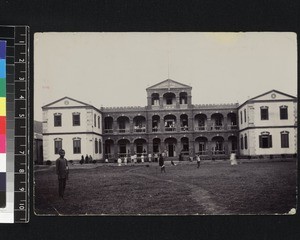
{"points": [[171, 150]]}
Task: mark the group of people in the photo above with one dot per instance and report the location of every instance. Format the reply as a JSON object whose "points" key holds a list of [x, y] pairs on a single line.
{"points": [[86, 159]]}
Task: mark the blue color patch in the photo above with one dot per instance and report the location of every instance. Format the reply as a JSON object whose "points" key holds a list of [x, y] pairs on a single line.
{"points": [[2, 68], [2, 49]]}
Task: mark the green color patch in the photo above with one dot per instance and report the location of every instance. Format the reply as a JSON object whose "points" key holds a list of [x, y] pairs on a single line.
{"points": [[2, 87]]}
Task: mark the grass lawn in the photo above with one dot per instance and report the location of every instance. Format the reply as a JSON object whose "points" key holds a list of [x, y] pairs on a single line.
{"points": [[214, 188]]}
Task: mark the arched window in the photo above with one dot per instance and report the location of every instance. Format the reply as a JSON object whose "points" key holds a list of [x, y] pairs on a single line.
{"points": [[246, 141], [98, 121], [100, 146], [95, 120]]}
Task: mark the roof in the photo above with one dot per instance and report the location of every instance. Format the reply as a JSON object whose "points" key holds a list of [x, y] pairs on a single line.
{"points": [[266, 93], [168, 83], [45, 106]]}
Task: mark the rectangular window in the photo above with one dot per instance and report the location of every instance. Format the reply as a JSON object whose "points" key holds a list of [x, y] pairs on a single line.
{"points": [[57, 146], [242, 143], [264, 113], [246, 142], [96, 146], [57, 120], [76, 119], [94, 120], [283, 113], [98, 122], [169, 101], [284, 140], [100, 147], [76, 146], [245, 116], [241, 117], [265, 141]]}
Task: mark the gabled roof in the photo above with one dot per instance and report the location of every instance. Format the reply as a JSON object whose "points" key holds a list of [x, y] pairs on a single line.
{"points": [[168, 83], [276, 91], [67, 98], [260, 97]]}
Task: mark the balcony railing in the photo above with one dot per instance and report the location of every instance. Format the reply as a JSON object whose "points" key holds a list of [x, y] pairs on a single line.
{"points": [[139, 129], [123, 130], [232, 127], [217, 127], [170, 129], [201, 128], [155, 129], [108, 130], [183, 129]]}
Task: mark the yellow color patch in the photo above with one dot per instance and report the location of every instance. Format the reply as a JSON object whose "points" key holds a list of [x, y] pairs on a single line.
{"points": [[2, 106]]}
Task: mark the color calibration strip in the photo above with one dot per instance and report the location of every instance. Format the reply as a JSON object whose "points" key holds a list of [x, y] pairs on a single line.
{"points": [[2, 124], [16, 208]]}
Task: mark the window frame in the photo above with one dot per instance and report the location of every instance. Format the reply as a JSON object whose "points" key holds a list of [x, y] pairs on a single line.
{"points": [[77, 149], [283, 115], [75, 114], [56, 150], [287, 143], [55, 115], [264, 116]]}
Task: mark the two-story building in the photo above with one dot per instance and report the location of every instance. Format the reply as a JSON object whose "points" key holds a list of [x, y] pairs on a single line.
{"points": [[74, 126], [170, 123], [268, 124]]}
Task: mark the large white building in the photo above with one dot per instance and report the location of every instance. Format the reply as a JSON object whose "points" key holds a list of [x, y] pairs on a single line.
{"points": [[74, 126], [263, 125], [268, 124]]}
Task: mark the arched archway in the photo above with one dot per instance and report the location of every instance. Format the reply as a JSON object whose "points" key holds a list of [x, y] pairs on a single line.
{"points": [[123, 124], [171, 146], [217, 120], [201, 146], [140, 146], [109, 149], [232, 144], [108, 125], [218, 145], [200, 122], [123, 147]]}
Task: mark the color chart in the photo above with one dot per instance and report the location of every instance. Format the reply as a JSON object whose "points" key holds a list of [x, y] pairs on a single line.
{"points": [[2, 124], [13, 124]]}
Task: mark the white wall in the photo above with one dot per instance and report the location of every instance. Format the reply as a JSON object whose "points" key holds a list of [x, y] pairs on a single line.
{"points": [[87, 146], [253, 141]]}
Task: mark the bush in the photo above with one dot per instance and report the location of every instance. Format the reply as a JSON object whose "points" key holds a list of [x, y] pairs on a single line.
{"points": [[48, 162], [94, 161]]}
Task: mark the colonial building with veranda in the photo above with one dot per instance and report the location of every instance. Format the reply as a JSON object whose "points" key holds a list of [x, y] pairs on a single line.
{"points": [[170, 123]]}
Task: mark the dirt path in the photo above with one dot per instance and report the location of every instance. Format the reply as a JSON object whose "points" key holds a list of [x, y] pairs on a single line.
{"points": [[200, 195]]}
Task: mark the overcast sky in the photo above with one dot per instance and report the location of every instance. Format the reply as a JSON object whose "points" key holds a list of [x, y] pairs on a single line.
{"points": [[114, 69]]}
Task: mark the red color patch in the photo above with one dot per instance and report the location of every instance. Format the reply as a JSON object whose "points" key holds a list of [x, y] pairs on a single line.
{"points": [[2, 125]]}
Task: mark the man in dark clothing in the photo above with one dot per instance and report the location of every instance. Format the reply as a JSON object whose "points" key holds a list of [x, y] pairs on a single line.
{"points": [[62, 171], [162, 164]]}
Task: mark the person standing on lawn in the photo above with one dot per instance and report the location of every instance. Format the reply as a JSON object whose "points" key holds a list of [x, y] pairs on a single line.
{"points": [[162, 164], [62, 171], [198, 161]]}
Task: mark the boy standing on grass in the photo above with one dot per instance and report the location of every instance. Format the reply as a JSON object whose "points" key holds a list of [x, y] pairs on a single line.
{"points": [[62, 171]]}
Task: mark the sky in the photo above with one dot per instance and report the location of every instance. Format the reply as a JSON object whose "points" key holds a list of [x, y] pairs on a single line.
{"points": [[114, 69]]}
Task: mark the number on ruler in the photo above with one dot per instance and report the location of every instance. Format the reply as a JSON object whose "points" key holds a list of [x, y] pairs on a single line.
{"points": [[21, 78], [21, 115], [21, 170], [21, 206], [21, 60], [21, 189], [21, 97], [22, 152]]}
